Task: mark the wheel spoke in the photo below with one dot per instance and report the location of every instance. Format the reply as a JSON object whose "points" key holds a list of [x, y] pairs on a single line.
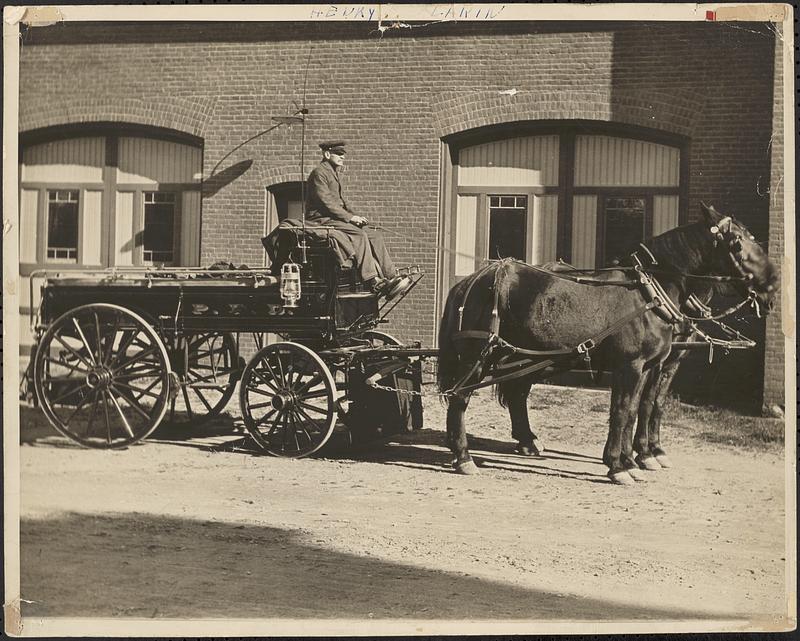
{"points": [[258, 406], [203, 399], [280, 369], [82, 402], [69, 393], [266, 417], [311, 395], [74, 353], [83, 340], [202, 379], [72, 368], [271, 372], [124, 344], [122, 416], [108, 419], [188, 404], [92, 413], [150, 350], [305, 431], [149, 387], [313, 408], [310, 420], [317, 378], [269, 384], [134, 404], [285, 429], [294, 431], [275, 424], [110, 343], [262, 392], [144, 372], [99, 358], [142, 392]]}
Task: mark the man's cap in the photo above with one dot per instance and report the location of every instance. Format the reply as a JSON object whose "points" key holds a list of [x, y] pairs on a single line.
{"points": [[336, 147]]}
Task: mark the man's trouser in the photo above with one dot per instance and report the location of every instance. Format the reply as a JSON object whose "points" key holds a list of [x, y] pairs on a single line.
{"points": [[371, 256]]}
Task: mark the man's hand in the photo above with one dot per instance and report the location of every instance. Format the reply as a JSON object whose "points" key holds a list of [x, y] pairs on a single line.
{"points": [[359, 221]]}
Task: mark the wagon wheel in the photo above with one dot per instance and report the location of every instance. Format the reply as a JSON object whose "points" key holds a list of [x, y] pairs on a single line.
{"points": [[287, 400], [207, 365], [102, 376]]}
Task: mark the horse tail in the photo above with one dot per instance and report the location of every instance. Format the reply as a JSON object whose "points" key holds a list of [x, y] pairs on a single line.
{"points": [[447, 368]]}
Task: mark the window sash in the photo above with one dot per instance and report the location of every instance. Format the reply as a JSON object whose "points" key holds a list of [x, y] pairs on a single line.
{"points": [[63, 224]]}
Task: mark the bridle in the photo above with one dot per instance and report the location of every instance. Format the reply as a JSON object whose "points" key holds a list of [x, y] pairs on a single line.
{"points": [[735, 253], [722, 233]]}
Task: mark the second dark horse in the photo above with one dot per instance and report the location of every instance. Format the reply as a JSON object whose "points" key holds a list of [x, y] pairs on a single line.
{"points": [[539, 310]]}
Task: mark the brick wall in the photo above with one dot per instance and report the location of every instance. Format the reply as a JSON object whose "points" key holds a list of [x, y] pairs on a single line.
{"points": [[774, 357], [394, 96]]}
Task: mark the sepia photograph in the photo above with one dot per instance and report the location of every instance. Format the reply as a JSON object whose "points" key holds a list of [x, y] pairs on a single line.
{"points": [[368, 320]]}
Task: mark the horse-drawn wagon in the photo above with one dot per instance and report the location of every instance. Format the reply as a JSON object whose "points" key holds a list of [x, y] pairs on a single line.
{"points": [[121, 351]]}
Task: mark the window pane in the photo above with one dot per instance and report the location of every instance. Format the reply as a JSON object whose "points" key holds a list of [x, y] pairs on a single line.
{"points": [[159, 230], [62, 224], [507, 228], [624, 225]]}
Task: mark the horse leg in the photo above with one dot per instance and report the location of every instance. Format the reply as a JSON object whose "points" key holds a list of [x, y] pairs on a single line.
{"points": [[644, 456], [654, 426], [457, 434], [626, 390], [515, 395]]}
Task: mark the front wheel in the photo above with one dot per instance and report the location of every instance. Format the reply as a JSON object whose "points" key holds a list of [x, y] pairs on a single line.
{"points": [[288, 400]]}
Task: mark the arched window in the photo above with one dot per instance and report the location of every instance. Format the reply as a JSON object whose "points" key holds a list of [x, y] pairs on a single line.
{"points": [[107, 200], [581, 192], [105, 196]]}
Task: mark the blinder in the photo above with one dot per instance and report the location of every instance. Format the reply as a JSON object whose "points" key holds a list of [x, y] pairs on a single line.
{"points": [[735, 247]]}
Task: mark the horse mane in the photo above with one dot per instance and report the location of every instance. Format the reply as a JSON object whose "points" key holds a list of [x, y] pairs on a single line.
{"points": [[683, 248]]}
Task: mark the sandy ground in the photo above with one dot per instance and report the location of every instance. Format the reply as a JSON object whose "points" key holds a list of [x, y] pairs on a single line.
{"points": [[198, 527]]}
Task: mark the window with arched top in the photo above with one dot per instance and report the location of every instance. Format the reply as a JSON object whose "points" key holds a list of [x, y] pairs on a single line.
{"points": [[580, 192], [107, 195], [110, 200]]}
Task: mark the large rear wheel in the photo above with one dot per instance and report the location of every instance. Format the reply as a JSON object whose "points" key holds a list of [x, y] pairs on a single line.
{"points": [[102, 376], [288, 400]]}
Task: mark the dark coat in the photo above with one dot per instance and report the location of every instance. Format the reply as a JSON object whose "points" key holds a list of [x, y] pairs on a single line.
{"points": [[325, 198]]}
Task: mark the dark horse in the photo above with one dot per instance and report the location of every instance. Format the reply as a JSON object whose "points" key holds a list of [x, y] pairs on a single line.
{"points": [[545, 311]]}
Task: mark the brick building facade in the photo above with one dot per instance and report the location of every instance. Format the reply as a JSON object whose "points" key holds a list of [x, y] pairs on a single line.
{"points": [[408, 102]]}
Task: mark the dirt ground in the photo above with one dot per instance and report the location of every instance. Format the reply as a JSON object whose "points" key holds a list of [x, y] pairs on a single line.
{"points": [[198, 527]]}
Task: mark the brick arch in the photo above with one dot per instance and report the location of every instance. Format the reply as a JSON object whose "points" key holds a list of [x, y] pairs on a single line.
{"points": [[673, 113], [276, 175], [187, 115]]}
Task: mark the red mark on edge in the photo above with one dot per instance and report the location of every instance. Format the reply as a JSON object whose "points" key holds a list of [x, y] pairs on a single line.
{"points": [[711, 15]]}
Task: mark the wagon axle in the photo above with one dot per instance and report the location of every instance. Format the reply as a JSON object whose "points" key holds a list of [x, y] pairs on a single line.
{"points": [[100, 378]]}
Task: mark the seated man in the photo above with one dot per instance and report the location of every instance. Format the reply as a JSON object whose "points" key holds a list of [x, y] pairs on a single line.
{"points": [[325, 205]]}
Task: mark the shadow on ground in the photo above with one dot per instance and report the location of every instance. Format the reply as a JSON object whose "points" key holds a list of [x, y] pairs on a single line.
{"points": [[422, 449], [143, 565]]}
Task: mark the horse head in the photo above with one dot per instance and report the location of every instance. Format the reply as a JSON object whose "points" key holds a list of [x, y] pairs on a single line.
{"points": [[738, 253]]}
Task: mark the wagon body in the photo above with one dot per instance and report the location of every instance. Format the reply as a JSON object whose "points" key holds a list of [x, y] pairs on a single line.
{"points": [[119, 349]]}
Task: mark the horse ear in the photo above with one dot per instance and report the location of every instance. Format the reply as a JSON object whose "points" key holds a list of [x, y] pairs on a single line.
{"points": [[710, 215]]}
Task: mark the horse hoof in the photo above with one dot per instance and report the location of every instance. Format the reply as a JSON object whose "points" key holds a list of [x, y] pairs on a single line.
{"points": [[538, 446], [621, 478], [467, 468], [527, 449], [650, 463], [637, 474], [663, 461]]}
